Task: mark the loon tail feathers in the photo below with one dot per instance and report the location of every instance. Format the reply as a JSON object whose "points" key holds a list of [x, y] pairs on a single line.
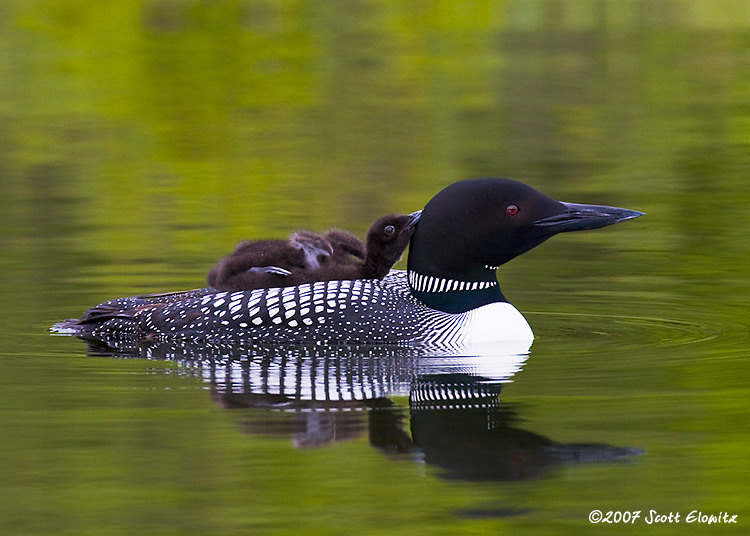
{"points": [[102, 316], [123, 314]]}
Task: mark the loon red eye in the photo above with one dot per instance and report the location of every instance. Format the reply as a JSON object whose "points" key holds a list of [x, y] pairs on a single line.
{"points": [[512, 210], [389, 229]]}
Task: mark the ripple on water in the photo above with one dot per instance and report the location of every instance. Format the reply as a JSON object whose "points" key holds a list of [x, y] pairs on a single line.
{"points": [[627, 331]]}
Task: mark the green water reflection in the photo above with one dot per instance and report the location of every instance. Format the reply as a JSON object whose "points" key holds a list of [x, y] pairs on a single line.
{"points": [[140, 140]]}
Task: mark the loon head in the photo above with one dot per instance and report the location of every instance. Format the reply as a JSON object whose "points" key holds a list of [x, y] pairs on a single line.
{"points": [[472, 227]]}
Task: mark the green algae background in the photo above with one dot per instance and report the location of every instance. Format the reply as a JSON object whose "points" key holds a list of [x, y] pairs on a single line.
{"points": [[139, 140]]}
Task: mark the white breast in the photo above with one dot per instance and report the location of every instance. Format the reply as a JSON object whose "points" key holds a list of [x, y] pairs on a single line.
{"points": [[495, 322]]}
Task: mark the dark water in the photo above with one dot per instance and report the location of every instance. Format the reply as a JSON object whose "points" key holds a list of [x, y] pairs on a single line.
{"points": [[140, 140]]}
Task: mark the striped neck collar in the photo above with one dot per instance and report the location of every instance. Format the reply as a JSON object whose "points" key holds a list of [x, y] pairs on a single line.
{"points": [[429, 283], [452, 295]]}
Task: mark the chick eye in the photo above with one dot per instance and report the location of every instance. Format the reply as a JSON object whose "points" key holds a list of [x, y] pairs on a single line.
{"points": [[512, 210], [389, 229]]}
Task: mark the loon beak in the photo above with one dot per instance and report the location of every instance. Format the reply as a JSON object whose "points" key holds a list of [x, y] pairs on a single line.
{"points": [[413, 219], [578, 217]]}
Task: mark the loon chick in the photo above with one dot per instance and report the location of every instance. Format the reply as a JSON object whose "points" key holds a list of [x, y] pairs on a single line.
{"points": [[310, 257], [448, 296], [344, 246], [304, 250]]}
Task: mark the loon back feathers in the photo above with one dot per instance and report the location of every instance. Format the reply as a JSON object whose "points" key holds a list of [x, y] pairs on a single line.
{"points": [[341, 312]]}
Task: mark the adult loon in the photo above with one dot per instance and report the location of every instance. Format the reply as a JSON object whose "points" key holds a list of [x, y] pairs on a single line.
{"points": [[310, 257], [449, 294]]}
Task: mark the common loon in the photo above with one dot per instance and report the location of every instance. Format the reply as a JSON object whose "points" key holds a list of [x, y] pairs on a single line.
{"points": [[449, 294], [309, 257]]}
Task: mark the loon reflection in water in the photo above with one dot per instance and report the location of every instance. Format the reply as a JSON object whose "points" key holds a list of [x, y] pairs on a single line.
{"points": [[318, 395]]}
